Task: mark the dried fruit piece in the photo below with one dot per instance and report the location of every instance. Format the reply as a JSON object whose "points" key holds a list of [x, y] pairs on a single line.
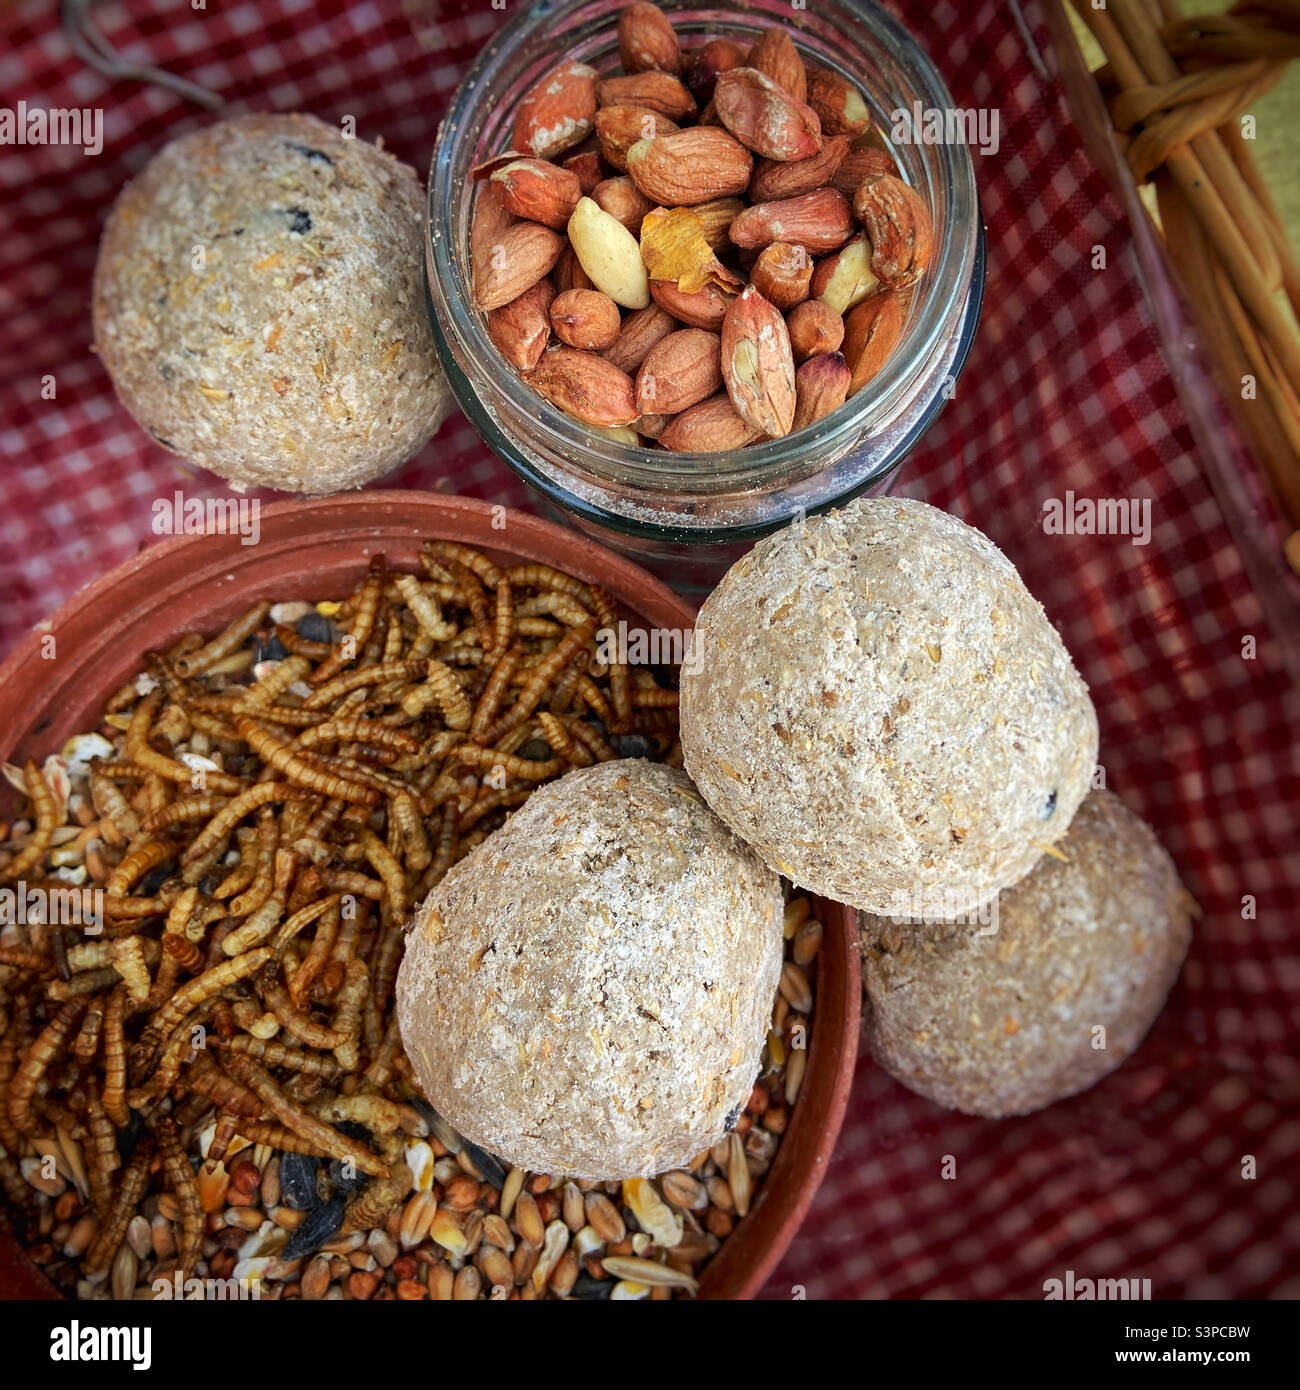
{"points": [[716, 216], [584, 386], [898, 222], [690, 166], [845, 279], [646, 41], [819, 221], [640, 332], [514, 262], [774, 179], [522, 328], [713, 426], [585, 319], [704, 309], [660, 91], [821, 384], [673, 247], [618, 128], [610, 255], [716, 56], [814, 328], [782, 274], [557, 111], [757, 363], [766, 118], [863, 161], [838, 103], [679, 372], [775, 54], [871, 333], [537, 191]]}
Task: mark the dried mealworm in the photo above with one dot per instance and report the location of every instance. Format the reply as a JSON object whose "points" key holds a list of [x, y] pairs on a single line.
{"points": [[87, 1044], [130, 964], [404, 670], [300, 646], [557, 736], [210, 1081], [262, 883], [113, 1095], [404, 815], [424, 608], [544, 577], [497, 684], [234, 811], [525, 768], [317, 954], [644, 698], [618, 681], [47, 822], [299, 1025], [570, 612], [117, 820], [595, 698], [268, 689], [181, 1177], [363, 621], [193, 808], [503, 627], [136, 864], [131, 1188], [389, 871], [297, 769], [441, 688], [233, 637], [560, 656], [314, 1131], [273, 1053], [585, 734], [493, 801], [358, 731], [374, 1204], [103, 1155], [473, 560], [12, 1043], [222, 1138], [22, 1087], [282, 1137], [202, 987], [139, 751], [351, 1000]]}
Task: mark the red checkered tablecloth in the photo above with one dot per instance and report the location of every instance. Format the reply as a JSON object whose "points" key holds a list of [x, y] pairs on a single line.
{"points": [[1145, 1176]]}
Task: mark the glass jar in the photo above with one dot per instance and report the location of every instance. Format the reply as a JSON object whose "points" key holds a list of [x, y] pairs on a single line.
{"points": [[687, 516]]}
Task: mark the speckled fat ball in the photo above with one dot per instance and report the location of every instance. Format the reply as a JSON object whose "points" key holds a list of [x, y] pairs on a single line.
{"points": [[880, 707], [1007, 1017], [259, 303], [588, 991]]}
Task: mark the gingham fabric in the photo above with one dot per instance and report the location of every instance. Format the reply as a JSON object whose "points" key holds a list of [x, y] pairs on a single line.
{"points": [[1146, 1176]]}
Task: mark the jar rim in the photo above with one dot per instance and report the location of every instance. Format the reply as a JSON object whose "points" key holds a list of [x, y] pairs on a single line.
{"points": [[461, 329]]}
